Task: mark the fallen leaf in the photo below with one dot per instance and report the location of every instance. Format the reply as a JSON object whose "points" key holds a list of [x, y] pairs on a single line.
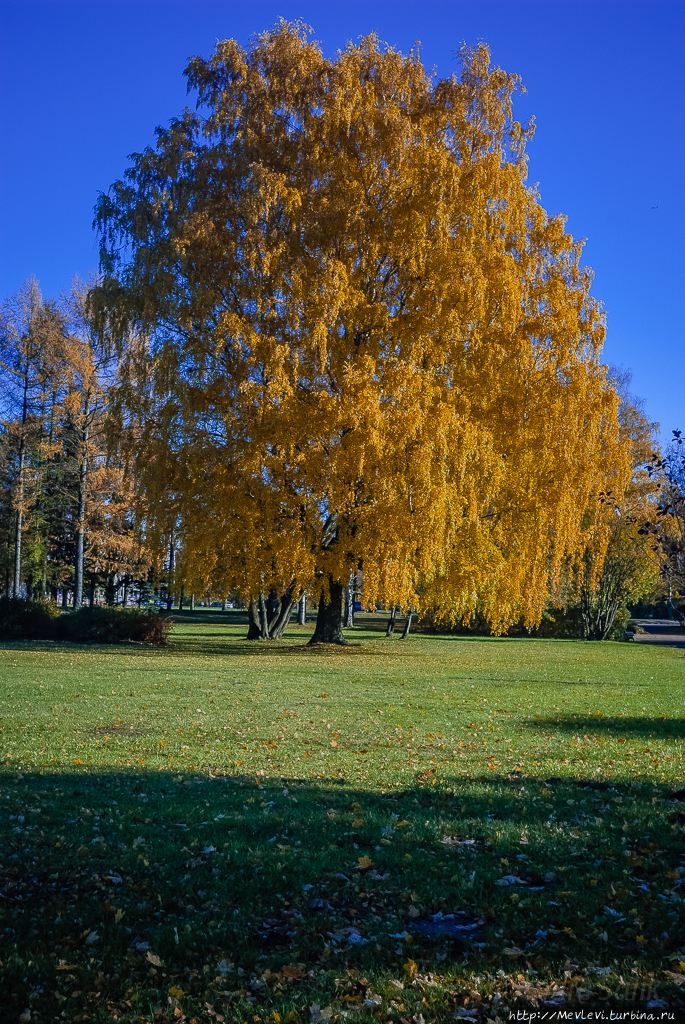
{"points": [[365, 862], [153, 959], [411, 968], [291, 971]]}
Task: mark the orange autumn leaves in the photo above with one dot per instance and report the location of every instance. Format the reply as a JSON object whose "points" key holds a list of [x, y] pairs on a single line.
{"points": [[369, 345]]}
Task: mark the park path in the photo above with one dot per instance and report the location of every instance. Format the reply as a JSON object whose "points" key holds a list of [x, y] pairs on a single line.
{"points": [[670, 634]]}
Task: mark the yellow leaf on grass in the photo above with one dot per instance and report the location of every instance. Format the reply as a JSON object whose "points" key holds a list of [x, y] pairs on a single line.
{"points": [[357, 823], [176, 993], [410, 968], [118, 916], [153, 959], [365, 862]]}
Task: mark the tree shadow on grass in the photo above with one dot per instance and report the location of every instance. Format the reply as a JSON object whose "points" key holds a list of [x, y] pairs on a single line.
{"points": [[624, 727], [122, 892]]}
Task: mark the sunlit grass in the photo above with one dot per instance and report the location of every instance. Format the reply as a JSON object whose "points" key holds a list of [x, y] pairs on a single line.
{"points": [[379, 712], [270, 828]]}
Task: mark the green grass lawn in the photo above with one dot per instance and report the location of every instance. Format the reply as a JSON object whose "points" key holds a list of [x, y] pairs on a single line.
{"points": [[395, 830]]}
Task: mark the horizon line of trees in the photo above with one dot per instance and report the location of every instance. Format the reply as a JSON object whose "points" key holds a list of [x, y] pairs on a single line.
{"points": [[72, 526]]}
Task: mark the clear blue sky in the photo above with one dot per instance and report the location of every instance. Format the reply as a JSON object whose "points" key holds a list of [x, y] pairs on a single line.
{"points": [[83, 84]]}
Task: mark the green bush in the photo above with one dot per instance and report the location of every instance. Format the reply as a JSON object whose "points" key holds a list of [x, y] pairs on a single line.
{"points": [[28, 620], [104, 625], [38, 620]]}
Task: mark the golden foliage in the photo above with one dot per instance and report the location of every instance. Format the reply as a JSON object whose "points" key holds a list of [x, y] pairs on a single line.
{"points": [[368, 345]]}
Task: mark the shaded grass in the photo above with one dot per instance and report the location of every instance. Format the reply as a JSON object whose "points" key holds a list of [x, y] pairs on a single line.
{"points": [[320, 758], [130, 894]]}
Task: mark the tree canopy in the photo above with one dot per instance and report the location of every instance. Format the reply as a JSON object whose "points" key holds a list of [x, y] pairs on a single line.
{"points": [[362, 343]]}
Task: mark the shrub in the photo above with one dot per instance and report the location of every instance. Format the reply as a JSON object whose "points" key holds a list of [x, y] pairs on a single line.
{"points": [[103, 625], [28, 620], [38, 620]]}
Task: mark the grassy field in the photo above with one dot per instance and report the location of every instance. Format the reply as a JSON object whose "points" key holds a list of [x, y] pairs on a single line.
{"points": [[394, 831]]}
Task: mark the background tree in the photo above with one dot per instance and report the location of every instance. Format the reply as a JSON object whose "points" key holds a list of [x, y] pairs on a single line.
{"points": [[667, 529], [30, 373], [87, 372], [61, 488], [619, 565], [368, 346]]}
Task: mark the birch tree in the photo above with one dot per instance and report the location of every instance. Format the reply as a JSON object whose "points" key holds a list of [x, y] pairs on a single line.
{"points": [[369, 347]]}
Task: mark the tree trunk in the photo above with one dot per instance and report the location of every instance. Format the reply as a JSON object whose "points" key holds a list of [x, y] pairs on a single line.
{"points": [[302, 610], [92, 589], [267, 621], [65, 598], [180, 599], [263, 618], [81, 514], [223, 603], [407, 626], [254, 629], [329, 618], [598, 615], [282, 617], [272, 606], [349, 605], [20, 484], [20, 511], [391, 622], [110, 589], [192, 602], [17, 555], [169, 595]]}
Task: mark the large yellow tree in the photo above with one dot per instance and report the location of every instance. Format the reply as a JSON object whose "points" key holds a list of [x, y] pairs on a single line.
{"points": [[369, 345]]}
